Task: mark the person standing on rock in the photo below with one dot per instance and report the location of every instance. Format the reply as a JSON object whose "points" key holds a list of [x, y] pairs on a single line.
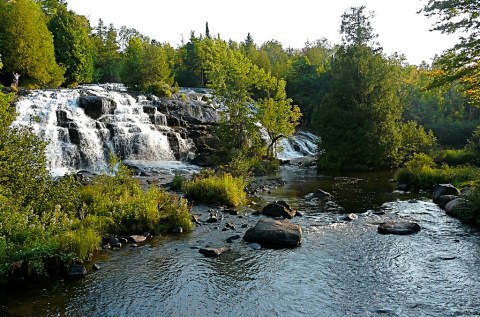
{"points": [[16, 78]]}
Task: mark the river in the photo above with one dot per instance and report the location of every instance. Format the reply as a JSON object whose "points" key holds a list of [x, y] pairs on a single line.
{"points": [[341, 269]]}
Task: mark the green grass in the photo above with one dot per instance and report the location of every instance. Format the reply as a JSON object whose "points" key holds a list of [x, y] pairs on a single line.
{"points": [[422, 173], [454, 157], [212, 189], [72, 231]]}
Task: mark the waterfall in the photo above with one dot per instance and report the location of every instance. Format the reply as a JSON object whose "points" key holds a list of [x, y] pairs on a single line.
{"points": [[83, 125], [302, 144]]}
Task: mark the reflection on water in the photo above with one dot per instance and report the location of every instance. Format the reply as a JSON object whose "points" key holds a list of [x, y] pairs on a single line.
{"points": [[342, 269]]}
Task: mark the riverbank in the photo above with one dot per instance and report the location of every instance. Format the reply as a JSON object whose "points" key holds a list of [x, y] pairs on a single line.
{"points": [[341, 268]]}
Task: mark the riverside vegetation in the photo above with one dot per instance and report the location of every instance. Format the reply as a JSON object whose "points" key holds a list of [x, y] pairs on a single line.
{"points": [[371, 110]]}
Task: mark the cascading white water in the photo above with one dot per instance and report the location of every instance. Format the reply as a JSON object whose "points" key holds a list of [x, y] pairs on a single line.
{"points": [[302, 144], [79, 141]]}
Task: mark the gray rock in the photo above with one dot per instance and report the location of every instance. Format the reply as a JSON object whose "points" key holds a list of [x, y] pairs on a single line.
{"points": [[213, 252], [230, 225], [232, 238], [444, 189], [350, 217], [443, 200], [459, 208], [96, 267], [319, 193], [96, 106], [137, 238], [77, 270], [398, 227], [274, 233], [278, 209], [255, 246], [177, 230]]}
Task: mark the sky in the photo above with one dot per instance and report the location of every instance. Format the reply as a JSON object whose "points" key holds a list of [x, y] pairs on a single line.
{"points": [[291, 22]]}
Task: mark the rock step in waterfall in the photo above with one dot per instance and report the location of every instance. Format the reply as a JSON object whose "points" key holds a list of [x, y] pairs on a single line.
{"points": [[84, 125]]}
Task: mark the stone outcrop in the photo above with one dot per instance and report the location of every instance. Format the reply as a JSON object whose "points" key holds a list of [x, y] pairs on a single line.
{"points": [[97, 106], [275, 233]]}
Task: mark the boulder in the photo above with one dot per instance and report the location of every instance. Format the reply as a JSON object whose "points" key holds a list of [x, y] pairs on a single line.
{"points": [[459, 208], [135, 238], [444, 189], [96, 106], [443, 200], [319, 193], [232, 238], [77, 270], [398, 227], [274, 233], [213, 252], [279, 209], [350, 217]]}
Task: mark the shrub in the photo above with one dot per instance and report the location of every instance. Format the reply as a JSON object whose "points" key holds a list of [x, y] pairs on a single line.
{"points": [[454, 157], [221, 189], [79, 244], [421, 173], [177, 182]]}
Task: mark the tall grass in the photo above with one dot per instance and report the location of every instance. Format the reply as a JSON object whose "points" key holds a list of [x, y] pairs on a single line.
{"points": [[422, 173], [222, 189]]}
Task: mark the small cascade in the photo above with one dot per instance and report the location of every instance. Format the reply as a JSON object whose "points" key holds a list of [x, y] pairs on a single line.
{"points": [[302, 144], [83, 125]]}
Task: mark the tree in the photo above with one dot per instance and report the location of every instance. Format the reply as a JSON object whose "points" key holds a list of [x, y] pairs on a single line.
{"points": [[356, 28], [146, 65], [106, 57], [278, 58], [27, 45], [358, 119], [73, 48], [250, 95], [462, 62]]}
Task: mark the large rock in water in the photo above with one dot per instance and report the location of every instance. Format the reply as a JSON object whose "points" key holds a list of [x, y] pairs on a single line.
{"points": [[269, 232], [279, 209], [400, 227], [96, 106], [444, 189]]}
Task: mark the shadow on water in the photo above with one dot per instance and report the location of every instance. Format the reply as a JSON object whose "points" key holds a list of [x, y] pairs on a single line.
{"points": [[341, 269]]}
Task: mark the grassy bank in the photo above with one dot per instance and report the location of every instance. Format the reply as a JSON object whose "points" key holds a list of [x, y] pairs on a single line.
{"points": [[34, 241]]}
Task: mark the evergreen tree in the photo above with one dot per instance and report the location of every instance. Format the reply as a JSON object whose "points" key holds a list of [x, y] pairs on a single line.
{"points": [[107, 59], [358, 120], [27, 45]]}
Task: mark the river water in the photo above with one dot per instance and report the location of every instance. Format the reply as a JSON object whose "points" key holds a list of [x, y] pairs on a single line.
{"points": [[341, 269]]}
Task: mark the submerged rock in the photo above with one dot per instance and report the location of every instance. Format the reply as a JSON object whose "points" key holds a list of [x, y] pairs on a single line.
{"points": [[398, 227], [319, 193], [350, 217], [279, 209], [275, 233], [213, 252], [77, 270]]}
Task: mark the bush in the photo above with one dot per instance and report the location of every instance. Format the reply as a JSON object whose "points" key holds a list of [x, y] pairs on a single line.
{"points": [[177, 182], [160, 89], [79, 245], [421, 173], [221, 189], [457, 157]]}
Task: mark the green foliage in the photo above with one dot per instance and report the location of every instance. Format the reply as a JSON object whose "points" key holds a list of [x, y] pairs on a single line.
{"points": [[455, 157], [216, 189], [27, 45], [80, 244], [462, 61], [73, 48], [414, 139], [356, 28], [106, 57], [250, 95], [358, 120], [131, 209], [177, 182], [146, 66], [421, 173]]}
